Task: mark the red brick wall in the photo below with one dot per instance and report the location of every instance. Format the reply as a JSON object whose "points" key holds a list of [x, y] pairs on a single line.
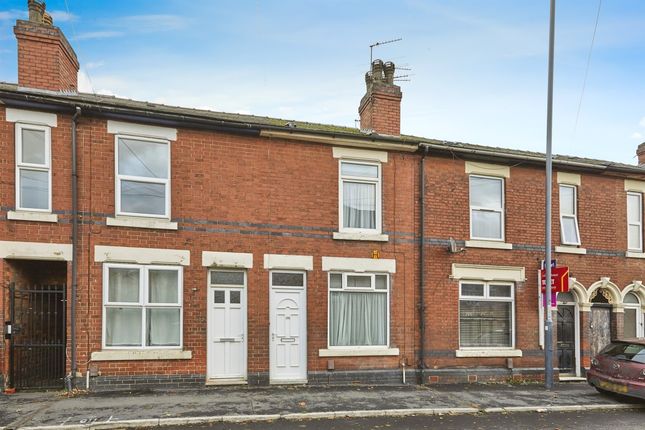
{"points": [[220, 177], [26, 230], [602, 221], [259, 195]]}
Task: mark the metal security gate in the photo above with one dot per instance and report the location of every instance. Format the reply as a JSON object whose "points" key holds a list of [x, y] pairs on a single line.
{"points": [[566, 338], [37, 342]]}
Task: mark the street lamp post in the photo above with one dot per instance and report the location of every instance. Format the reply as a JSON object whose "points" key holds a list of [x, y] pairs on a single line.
{"points": [[548, 326]]}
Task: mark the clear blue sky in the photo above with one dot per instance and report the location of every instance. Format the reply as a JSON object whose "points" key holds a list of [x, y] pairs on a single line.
{"points": [[479, 67]]}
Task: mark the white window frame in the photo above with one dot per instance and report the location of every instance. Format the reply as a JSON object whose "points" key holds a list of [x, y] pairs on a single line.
{"points": [[640, 316], [118, 177], [486, 297], [639, 223], [31, 166], [574, 215], [361, 179], [143, 302], [372, 289], [500, 210]]}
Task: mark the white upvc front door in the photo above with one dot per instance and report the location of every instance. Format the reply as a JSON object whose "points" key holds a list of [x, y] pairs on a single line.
{"points": [[226, 352], [288, 327]]}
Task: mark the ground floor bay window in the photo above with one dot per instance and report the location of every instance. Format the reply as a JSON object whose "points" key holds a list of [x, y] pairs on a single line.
{"points": [[486, 315], [358, 310], [142, 306]]}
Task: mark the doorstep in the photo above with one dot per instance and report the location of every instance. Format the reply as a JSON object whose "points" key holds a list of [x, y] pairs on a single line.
{"points": [[564, 378]]}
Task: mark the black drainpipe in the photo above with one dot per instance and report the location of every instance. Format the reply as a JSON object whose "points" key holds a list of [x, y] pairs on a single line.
{"points": [[422, 306], [74, 244]]}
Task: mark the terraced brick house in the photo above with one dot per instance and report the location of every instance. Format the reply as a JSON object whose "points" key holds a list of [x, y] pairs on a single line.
{"points": [[144, 244]]}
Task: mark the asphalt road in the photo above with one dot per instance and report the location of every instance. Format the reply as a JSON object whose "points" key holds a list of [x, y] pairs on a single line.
{"points": [[623, 420]]}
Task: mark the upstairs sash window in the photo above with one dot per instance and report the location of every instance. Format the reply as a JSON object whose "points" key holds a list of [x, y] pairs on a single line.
{"points": [[570, 234], [635, 222], [486, 208], [143, 177], [33, 168], [360, 196]]}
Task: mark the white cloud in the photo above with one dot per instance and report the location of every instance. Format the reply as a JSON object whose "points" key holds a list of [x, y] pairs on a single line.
{"points": [[62, 16], [636, 135], [152, 23], [84, 82], [98, 35], [13, 14], [85, 85], [94, 65], [135, 24], [58, 15]]}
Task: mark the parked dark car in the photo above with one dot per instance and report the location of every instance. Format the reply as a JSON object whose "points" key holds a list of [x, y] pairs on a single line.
{"points": [[620, 368]]}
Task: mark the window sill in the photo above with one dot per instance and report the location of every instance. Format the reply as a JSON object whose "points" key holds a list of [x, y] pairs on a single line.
{"points": [[32, 216], [490, 244], [357, 352], [633, 254], [367, 237], [568, 249], [153, 223], [149, 354], [501, 352]]}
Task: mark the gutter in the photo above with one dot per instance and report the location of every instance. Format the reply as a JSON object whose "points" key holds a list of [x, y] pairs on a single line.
{"points": [[333, 139], [74, 366], [529, 158]]}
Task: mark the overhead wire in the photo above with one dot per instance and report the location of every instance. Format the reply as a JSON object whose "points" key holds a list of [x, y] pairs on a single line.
{"points": [[584, 81], [86, 71]]}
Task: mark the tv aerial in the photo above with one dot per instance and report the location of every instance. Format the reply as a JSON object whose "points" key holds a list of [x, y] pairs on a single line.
{"points": [[386, 42]]}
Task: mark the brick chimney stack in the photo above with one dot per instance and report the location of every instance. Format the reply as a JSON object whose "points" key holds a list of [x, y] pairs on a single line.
{"points": [[46, 60], [380, 107], [640, 153]]}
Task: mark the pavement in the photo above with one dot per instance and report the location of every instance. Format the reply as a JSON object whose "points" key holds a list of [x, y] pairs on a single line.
{"points": [[150, 408]]}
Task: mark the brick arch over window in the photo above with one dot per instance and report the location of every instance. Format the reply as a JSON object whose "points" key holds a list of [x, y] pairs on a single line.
{"points": [[613, 290], [637, 288], [579, 291]]}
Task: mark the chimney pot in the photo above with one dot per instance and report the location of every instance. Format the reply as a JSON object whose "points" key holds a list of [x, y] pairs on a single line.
{"points": [[389, 72], [48, 20], [377, 70], [640, 153], [36, 10]]}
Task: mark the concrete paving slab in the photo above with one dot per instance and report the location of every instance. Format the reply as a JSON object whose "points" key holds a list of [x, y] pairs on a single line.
{"points": [[216, 404]]}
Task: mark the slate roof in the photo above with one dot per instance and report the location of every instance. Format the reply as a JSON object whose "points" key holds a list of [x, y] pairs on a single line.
{"points": [[99, 102]]}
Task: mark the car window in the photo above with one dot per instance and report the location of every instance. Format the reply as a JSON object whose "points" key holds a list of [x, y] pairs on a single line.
{"points": [[625, 351]]}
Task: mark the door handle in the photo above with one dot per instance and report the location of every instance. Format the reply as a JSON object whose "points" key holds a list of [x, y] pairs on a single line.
{"points": [[227, 339]]}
